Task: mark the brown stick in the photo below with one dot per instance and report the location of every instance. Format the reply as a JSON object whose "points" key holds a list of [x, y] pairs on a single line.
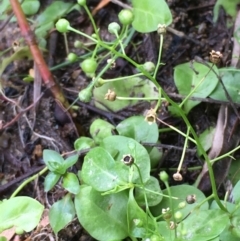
{"points": [[30, 39]]}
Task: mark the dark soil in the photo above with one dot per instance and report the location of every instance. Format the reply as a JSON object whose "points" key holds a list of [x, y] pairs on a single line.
{"points": [[48, 127]]}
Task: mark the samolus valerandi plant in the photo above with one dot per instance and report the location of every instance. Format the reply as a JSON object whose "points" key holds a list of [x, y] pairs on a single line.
{"points": [[115, 187]]}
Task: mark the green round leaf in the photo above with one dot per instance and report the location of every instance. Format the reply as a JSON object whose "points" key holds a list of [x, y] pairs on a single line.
{"points": [[102, 172], [104, 217], [70, 161], [83, 143], [100, 129], [54, 161], [198, 226], [30, 7], [21, 212], [61, 213], [186, 80], [71, 183], [134, 86], [152, 185], [122, 146], [231, 82], [137, 128], [136, 215], [50, 181], [149, 14]]}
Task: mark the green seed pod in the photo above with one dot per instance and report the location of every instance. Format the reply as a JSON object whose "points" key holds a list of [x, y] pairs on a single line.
{"points": [[89, 66], [62, 25], [85, 95], [163, 176], [149, 66], [178, 215], [71, 57], [182, 205], [126, 17], [113, 28], [78, 44], [82, 2]]}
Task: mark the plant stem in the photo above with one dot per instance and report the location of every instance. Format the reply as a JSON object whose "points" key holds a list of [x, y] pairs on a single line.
{"points": [[184, 151], [123, 78], [159, 56], [27, 181], [194, 89]]}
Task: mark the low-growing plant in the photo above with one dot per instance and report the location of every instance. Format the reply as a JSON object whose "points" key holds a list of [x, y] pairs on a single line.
{"points": [[114, 195]]}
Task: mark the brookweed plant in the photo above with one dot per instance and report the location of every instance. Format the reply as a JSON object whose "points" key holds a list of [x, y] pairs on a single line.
{"points": [[114, 195]]}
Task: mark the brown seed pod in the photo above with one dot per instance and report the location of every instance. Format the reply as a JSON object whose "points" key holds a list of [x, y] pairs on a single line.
{"points": [[128, 159], [111, 95], [190, 199], [215, 57]]}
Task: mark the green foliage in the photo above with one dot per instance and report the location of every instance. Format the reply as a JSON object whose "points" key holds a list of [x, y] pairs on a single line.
{"points": [[181, 192], [45, 21], [149, 14], [15, 212], [136, 86], [101, 129], [83, 143], [114, 195], [89, 66], [61, 213], [30, 7], [200, 225], [231, 82], [126, 17], [137, 128], [102, 172], [58, 167], [206, 139], [200, 83], [229, 6], [121, 146], [104, 217]]}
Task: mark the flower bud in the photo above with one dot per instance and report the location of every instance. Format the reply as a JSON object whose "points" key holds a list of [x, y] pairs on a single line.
{"points": [[113, 28]]}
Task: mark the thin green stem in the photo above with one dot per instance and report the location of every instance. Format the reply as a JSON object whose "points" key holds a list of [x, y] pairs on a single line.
{"points": [[28, 180], [184, 150], [120, 43], [225, 155], [157, 193], [159, 100], [159, 56], [138, 98], [194, 89], [178, 131], [92, 21], [198, 143], [122, 78]]}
